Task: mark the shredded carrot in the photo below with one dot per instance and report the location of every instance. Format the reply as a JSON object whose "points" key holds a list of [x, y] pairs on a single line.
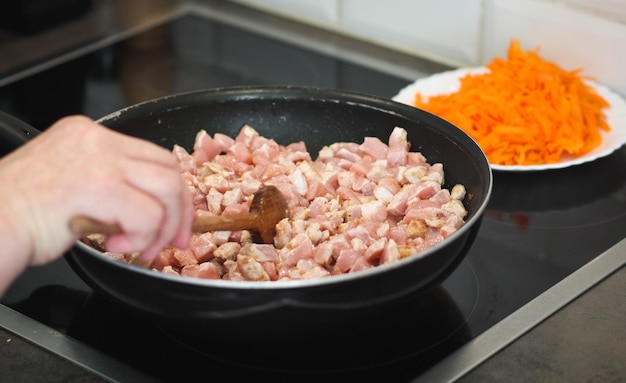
{"points": [[524, 110]]}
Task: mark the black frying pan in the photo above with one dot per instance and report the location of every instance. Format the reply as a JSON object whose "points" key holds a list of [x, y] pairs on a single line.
{"points": [[287, 114], [13, 133]]}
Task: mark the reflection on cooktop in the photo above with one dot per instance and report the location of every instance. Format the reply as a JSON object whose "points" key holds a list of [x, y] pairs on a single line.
{"points": [[415, 328], [417, 333], [562, 189], [185, 55], [392, 340]]}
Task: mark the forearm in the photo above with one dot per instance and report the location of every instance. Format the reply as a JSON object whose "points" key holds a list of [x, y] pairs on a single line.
{"points": [[15, 247], [14, 251]]}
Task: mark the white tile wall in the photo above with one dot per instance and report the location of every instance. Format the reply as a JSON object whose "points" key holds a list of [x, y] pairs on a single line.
{"points": [[447, 30], [318, 12], [610, 8], [587, 34]]}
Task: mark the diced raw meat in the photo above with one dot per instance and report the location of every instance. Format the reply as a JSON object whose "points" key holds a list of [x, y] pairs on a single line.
{"points": [[355, 207]]}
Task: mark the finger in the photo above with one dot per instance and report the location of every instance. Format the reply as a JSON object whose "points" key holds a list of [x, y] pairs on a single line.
{"points": [[139, 216], [183, 236], [166, 185], [152, 172]]}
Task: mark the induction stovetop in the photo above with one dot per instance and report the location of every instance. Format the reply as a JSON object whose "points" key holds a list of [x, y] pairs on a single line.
{"points": [[538, 229]]}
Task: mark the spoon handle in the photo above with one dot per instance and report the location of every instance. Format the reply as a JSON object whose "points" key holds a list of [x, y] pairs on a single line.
{"points": [[205, 223], [83, 225]]}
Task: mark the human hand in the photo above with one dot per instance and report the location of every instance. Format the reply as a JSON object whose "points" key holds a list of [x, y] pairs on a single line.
{"points": [[78, 167]]}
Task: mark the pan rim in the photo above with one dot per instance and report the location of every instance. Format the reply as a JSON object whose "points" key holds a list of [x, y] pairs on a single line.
{"points": [[330, 95]]}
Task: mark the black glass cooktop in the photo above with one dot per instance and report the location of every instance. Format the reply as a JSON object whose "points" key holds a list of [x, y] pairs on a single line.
{"points": [[539, 226]]}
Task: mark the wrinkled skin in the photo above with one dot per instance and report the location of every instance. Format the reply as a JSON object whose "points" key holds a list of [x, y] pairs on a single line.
{"points": [[78, 167]]}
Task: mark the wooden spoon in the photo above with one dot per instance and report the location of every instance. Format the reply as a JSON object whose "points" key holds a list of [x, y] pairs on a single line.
{"points": [[267, 209]]}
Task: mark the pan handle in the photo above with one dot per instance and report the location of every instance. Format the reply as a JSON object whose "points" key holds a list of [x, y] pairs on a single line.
{"points": [[14, 133]]}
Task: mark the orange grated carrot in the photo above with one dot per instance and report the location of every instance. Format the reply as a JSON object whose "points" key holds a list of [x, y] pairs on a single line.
{"points": [[524, 110]]}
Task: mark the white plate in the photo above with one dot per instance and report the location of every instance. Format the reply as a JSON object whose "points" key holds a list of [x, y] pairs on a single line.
{"points": [[448, 82]]}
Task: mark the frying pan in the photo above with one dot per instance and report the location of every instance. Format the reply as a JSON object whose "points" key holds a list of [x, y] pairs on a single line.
{"points": [[13, 133], [287, 114]]}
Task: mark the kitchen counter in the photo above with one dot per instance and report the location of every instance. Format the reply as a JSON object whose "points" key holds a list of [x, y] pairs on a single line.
{"points": [[583, 341], [21, 361]]}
